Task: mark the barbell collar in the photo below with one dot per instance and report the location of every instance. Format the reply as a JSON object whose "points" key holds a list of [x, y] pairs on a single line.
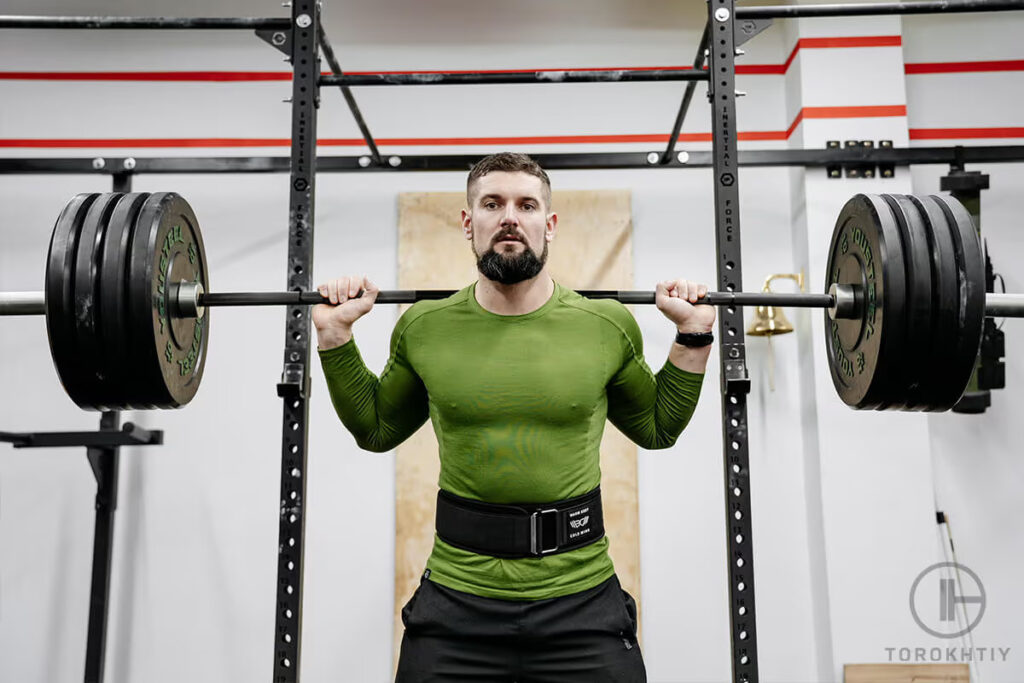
{"points": [[185, 300], [846, 301]]}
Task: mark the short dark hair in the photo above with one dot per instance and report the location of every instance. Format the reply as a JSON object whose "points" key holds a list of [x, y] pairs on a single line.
{"points": [[509, 162]]}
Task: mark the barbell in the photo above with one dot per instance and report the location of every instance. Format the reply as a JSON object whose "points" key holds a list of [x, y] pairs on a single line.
{"points": [[126, 293]]}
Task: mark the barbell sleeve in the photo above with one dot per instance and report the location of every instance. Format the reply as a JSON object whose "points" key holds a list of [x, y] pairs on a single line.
{"points": [[22, 303]]}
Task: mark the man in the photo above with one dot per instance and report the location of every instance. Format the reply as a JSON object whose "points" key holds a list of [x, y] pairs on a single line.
{"points": [[518, 375]]}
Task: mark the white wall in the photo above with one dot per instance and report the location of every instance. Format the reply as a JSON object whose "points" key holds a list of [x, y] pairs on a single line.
{"points": [[195, 547]]}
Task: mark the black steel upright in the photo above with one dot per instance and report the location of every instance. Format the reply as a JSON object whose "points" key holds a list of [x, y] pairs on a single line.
{"points": [[294, 386], [732, 351], [104, 463]]}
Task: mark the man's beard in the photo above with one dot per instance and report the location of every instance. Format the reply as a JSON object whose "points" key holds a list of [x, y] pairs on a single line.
{"points": [[509, 269]]}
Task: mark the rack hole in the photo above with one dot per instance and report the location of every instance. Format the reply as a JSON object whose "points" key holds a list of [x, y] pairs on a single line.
{"points": [[739, 538]]}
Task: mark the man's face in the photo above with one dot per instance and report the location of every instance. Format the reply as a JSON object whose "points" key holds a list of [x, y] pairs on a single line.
{"points": [[509, 226]]}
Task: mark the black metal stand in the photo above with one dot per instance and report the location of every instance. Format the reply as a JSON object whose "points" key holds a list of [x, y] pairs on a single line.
{"points": [[294, 385], [732, 350], [103, 450]]}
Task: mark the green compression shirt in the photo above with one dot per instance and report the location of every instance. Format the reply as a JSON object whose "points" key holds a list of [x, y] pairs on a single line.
{"points": [[518, 404]]}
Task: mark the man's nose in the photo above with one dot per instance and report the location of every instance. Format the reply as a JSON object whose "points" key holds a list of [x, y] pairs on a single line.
{"points": [[510, 217]]}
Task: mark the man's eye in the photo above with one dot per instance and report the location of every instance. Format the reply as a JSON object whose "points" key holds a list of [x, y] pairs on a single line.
{"points": [[528, 207], [491, 205]]}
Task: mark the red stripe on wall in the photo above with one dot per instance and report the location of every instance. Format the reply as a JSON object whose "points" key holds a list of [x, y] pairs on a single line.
{"points": [[964, 67], [657, 138], [114, 143], [844, 41], [964, 133], [191, 76], [854, 112]]}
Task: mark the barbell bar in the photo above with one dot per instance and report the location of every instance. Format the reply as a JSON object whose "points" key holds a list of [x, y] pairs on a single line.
{"points": [[189, 301], [126, 296]]}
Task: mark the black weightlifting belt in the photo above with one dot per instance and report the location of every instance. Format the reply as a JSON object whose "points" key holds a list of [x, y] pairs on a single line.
{"points": [[521, 529]]}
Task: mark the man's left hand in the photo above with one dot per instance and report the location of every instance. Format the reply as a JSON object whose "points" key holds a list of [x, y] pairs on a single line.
{"points": [[674, 298]]}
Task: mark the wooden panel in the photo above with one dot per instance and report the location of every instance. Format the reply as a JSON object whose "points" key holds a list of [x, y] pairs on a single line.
{"points": [[592, 249], [906, 673]]}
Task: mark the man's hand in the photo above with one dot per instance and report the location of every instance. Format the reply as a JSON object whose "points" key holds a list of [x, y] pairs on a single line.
{"points": [[334, 322], [674, 297]]}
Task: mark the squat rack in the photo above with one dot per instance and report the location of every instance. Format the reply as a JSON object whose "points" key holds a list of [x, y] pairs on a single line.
{"points": [[302, 38]]}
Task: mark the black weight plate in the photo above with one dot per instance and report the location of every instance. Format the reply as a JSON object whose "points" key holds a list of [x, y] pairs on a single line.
{"points": [[940, 391], [970, 265], [114, 333], [86, 309], [170, 352], [866, 251], [59, 292], [912, 365]]}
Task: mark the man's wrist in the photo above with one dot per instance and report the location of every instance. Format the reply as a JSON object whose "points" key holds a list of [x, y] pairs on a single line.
{"points": [[694, 329], [333, 337]]}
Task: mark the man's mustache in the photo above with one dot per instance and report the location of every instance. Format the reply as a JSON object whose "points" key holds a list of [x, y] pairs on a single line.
{"points": [[508, 236]]}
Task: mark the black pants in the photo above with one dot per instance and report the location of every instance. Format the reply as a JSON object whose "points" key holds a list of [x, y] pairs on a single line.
{"points": [[588, 636]]}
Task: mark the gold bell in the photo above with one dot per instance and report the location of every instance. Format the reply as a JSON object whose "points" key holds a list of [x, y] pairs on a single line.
{"points": [[770, 320]]}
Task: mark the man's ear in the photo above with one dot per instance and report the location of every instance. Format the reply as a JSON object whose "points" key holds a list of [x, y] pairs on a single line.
{"points": [[467, 224], [552, 224]]}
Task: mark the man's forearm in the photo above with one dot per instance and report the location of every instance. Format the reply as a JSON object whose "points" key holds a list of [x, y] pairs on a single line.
{"points": [[689, 358]]}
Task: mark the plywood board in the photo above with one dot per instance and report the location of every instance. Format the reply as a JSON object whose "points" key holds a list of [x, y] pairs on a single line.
{"points": [[592, 249], [907, 673]]}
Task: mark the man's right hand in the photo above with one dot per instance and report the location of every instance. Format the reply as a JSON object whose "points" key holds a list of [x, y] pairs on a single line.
{"points": [[334, 321]]}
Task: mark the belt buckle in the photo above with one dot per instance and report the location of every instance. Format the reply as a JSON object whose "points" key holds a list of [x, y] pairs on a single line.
{"points": [[537, 548]]}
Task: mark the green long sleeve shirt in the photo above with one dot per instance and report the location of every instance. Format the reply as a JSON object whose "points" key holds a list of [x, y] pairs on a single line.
{"points": [[518, 404]]}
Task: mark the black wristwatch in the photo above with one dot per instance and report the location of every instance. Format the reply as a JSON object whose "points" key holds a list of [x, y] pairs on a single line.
{"points": [[695, 339]]}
